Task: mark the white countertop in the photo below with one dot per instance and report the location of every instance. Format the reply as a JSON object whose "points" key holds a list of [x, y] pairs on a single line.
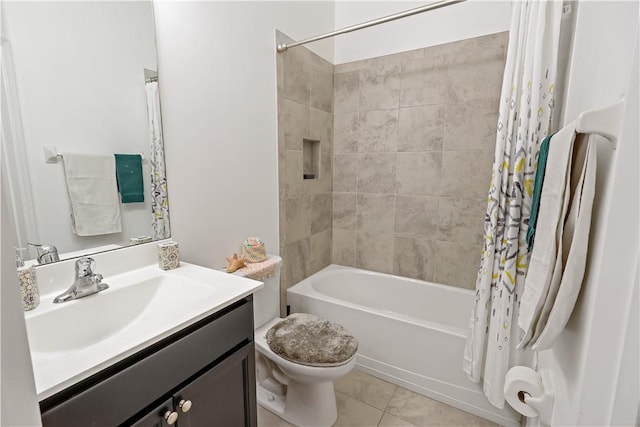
{"points": [[150, 313]]}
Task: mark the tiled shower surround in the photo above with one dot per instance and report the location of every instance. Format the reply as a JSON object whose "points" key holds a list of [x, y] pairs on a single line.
{"points": [[305, 112], [412, 148], [414, 137]]}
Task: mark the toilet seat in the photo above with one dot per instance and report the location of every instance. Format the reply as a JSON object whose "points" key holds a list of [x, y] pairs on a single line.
{"points": [[262, 346], [310, 340]]}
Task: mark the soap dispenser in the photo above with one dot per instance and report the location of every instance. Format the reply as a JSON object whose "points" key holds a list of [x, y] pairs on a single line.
{"points": [[28, 285]]}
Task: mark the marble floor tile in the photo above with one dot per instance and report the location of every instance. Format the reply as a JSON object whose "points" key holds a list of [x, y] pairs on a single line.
{"points": [[268, 419], [389, 420], [366, 388], [353, 413], [422, 411]]}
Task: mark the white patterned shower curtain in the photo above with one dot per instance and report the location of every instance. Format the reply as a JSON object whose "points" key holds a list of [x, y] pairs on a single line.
{"points": [[526, 107], [159, 199]]}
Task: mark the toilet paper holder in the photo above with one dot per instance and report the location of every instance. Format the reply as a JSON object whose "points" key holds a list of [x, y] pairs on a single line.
{"points": [[542, 404]]}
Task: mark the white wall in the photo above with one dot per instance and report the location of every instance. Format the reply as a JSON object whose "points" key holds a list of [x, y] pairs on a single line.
{"points": [[18, 403], [83, 94], [457, 22], [590, 362], [218, 94]]}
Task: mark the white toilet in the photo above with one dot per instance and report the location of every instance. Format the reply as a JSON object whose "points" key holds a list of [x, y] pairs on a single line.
{"points": [[301, 394]]}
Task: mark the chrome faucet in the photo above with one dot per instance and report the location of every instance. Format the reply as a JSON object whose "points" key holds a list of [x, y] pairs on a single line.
{"points": [[86, 283], [46, 253]]}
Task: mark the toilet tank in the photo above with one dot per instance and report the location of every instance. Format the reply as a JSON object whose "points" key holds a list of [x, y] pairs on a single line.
{"points": [[266, 301]]}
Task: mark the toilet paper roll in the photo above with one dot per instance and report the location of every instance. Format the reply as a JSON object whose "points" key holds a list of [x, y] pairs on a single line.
{"points": [[520, 382]]}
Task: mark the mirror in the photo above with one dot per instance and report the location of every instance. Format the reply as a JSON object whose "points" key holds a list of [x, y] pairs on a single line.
{"points": [[80, 78]]}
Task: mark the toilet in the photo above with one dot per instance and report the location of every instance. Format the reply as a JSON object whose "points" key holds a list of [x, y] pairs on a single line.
{"points": [[301, 394]]}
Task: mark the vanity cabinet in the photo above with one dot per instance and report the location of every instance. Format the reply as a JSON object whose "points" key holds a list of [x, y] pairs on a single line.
{"points": [[203, 375]]}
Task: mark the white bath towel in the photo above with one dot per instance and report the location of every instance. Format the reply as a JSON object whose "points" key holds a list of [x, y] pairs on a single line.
{"points": [[93, 192], [558, 259]]}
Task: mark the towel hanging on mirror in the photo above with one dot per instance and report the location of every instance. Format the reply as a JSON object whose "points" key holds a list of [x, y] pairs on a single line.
{"points": [[129, 175]]}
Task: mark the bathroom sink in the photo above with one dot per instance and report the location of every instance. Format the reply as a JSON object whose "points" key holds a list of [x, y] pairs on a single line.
{"points": [[72, 340], [80, 323]]}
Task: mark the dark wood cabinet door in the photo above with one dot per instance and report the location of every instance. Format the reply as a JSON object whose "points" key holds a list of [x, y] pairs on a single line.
{"points": [[224, 396], [155, 418]]}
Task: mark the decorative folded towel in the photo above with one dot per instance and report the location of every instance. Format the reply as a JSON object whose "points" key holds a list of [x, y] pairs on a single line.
{"points": [[259, 270], [129, 174], [93, 193], [537, 190], [558, 259]]}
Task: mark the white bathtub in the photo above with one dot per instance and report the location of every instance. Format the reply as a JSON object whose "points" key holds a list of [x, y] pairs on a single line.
{"points": [[411, 333]]}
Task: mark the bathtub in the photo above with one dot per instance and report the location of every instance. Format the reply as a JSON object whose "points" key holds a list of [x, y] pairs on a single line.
{"points": [[410, 333]]}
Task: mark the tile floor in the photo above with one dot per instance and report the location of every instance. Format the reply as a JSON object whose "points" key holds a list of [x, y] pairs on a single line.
{"points": [[366, 401]]}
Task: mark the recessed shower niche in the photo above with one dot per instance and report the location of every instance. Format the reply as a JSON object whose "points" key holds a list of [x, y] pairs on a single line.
{"points": [[310, 158]]}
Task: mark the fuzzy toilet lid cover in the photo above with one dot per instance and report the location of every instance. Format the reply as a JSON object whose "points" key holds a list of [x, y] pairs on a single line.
{"points": [[310, 340]]}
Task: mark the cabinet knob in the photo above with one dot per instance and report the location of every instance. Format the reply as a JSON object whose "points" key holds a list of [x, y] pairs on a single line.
{"points": [[171, 417], [185, 405]]}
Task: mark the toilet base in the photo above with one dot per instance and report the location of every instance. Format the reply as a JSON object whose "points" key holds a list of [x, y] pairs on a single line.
{"points": [[303, 404]]}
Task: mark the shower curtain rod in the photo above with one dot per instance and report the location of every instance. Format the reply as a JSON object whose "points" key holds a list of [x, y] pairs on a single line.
{"points": [[431, 6]]}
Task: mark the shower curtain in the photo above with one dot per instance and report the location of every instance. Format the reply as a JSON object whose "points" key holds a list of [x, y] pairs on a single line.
{"points": [[526, 107], [159, 199]]}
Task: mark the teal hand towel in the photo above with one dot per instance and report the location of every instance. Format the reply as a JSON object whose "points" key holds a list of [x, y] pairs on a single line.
{"points": [[129, 176], [537, 190]]}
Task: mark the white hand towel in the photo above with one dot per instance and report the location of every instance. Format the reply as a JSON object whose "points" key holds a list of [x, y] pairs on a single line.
{"points": [[575, 256], [93, 192], [559, 254], [544, 262]]}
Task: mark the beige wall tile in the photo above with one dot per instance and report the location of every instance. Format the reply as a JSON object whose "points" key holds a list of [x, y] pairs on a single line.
{"points": [[471, 125], [421, 128], [326, 172], [321, 85], [470, 51], [345, 132], [416, 216], [379, 88], [394, 59], [296, 264], [298, 217], [344, 211], [480, 80], [365, 388], [418, 173], [422, 83], [292, 184], [378, 131], [414, 257], [343, 247], [295, 122], [321, 212], [461, 220], [466, 173], [297, 80], [345, 172], [352, 413], [374, 252], [375, 213], [376, 173], [320, 250], [348, 67], [346, 92], [321, 129], [457, 264]]}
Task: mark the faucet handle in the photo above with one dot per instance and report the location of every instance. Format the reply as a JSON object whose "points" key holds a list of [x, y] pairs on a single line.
{"points": [[84, 266]]}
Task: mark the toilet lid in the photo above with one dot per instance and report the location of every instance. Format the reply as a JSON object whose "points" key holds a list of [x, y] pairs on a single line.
{"points": [[310, 340]]}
